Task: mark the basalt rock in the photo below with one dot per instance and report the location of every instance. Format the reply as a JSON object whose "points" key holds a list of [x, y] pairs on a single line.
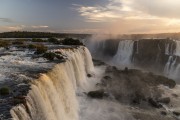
{"points": [[165, 100], [99, 94], [154, 103], [176, 113], [89, 75], [163, 113]]}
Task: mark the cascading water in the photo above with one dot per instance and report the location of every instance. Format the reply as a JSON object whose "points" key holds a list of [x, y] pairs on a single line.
{"points": [[172, 68], [124, 53], [167, 49], [52, 96]]}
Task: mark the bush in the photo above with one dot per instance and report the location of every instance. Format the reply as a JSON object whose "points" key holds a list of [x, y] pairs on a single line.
{"points": [[32, 46], [17, 43], [52, 56], [40, 49], [54, 40], [4, 43], [49, 55], [4, 91], [71, 41]]}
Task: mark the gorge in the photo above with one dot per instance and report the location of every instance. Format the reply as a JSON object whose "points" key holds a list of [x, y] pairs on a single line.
{"points": [[117, 84]]}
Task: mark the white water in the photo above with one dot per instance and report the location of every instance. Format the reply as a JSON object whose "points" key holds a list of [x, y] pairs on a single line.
{"points": [[172, 68], [52, 96], [124, 53]]}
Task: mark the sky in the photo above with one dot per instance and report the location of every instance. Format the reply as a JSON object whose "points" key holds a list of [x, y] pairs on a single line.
{"points": [[90, 16]]}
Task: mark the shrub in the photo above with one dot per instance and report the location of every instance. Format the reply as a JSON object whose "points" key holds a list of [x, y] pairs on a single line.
{"points": [[17, 43], [4, 43], [49, 55], [4, 91], [54, 40], [71, 41], [40, 49], [32, 46]]}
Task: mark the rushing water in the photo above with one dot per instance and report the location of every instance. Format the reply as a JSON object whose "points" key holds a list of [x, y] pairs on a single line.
{"points": [[172, 67], [128, 53], [52, 96], [124, 53]]}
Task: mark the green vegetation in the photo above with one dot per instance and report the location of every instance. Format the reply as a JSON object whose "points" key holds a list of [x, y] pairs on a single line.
{"points": [[26, 34], [71, 41], [40, 49], [52, 56], [16, 42], [31, 46], [38, 40], [4, 91], [49, 55], [4, 43], [54, 40]]}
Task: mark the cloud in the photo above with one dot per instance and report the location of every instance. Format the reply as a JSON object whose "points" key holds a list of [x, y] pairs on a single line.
{"points": [[134, 16], [160, 8], [44, 28], [98, 13], [112, 11], [130, 9], [81, 31], [6, 20], [40, 26]]}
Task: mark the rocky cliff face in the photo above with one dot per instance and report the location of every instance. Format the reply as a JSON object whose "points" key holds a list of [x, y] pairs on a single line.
{"points": [[150, 54], [158, 55]]}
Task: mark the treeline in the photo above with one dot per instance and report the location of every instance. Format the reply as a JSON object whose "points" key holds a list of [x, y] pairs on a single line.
{"points": [[26, 34]]}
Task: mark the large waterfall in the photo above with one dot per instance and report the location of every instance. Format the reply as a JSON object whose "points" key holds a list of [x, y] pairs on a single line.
{"points": [[124, 53], [52, 96], [158, 55]]}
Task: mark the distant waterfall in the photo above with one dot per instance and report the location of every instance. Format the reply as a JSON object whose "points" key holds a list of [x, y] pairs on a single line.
{"points": [[124, 53], [52, 96], [172, 67]]}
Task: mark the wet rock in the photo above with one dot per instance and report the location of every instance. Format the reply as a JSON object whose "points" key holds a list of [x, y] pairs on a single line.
{"points": [[177, 113], [99, 94], [163, 113], [137, 98], [89, 75], [165, 81], [107, 77], [154, 103], [98, 62], [175, 95], [165, 100], [126, 69]]}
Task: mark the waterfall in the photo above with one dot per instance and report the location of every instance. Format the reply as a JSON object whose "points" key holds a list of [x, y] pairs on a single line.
{"points": [[172, 68], [52, 96], [168, 65], [177, 51], [124, 53], [137, 47], [167, 49]]}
